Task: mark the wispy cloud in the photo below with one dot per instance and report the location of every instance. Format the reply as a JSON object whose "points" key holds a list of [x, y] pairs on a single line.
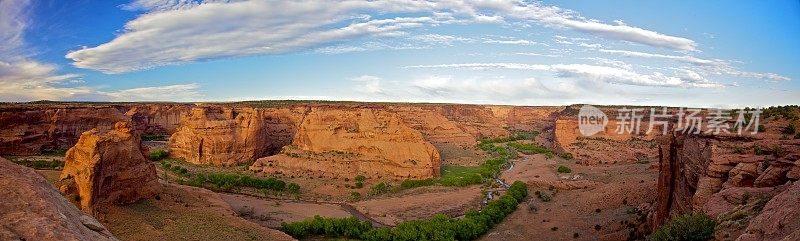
{"points": [[201, 30], [711, 66], [606, 74]]}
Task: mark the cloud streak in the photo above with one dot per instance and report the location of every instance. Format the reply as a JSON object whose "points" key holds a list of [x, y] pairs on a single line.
{"points": [[605, 74], [203, 30]]}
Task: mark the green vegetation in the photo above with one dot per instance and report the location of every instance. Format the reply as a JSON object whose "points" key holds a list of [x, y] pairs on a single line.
{"points": [[158, 155], [379, 189], [761, 128], [154, 137], [530, 149], [790, 112], [417, 183], [227, 181], [566, 156], [564, 169], [355, 196], [41, 164], [688, 227], [789, 130], [360, 181], [439, 227]]}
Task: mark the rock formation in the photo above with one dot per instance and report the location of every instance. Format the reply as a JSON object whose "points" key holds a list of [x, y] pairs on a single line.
{"points": [[33, 210], [722, 174], [354, 141], [220, 136], [157, 119], [107, 167], [29, 130]]}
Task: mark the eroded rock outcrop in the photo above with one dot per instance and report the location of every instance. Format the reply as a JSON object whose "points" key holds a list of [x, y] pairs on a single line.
{"points": [[727, 177], [107, 167], [221, 136], [157, 119], [345, 142], [33, 210], [29, 130]]}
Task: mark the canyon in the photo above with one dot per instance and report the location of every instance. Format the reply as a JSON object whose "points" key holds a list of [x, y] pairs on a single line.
{"points": [[620, 186]]}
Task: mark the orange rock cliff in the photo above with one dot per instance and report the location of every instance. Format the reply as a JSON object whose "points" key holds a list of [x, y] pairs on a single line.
{"points": [[108, 167], [355, 141]]}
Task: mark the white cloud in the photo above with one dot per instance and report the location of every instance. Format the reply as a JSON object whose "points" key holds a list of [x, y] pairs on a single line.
{"points": [[184, 92], [369, 84], [181, 31], [605, 74], [439, 39], [712, 66], [23, 79], [510, 41], [538, 54], [495, 89]]}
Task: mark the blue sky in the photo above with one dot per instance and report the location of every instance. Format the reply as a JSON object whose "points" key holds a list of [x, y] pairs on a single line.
{"points": [[679, 53]]}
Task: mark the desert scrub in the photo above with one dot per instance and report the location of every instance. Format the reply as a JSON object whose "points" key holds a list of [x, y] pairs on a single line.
{"points": [[158, 155], [41, 164], [564, 169], [688, 227], [543, 196], [566, 156], [355, 196], [379, 189]]}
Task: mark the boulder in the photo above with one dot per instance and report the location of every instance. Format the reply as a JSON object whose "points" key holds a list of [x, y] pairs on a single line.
{"points": [[108, 167], [33, 210]]}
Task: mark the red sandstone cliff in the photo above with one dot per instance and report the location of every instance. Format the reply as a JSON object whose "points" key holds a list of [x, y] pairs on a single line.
{"points": [[107, 167], [345, 142], [33, 210], [721, 175]]}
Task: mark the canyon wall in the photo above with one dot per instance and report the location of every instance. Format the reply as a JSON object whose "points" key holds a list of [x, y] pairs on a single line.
{"points": [[33, 210], [108, 167], [345, 142], [725, 174], [31, 130], [157, 119]]}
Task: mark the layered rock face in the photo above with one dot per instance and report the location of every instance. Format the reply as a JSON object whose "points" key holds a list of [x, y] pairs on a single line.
{"points": [[157, 119], [607, 146], [720, 175], [33, 210], [221, 136], [108, 167], [345, 142], [31, 130]]}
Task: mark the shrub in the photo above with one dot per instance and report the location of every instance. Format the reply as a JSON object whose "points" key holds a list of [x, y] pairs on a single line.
{"points": [[545, 197], [293, 188], [566, 156], [360, 178], [688, 227], [761, 128], [789, 130], [355, 196], [379, 188], [158, 155], [564, 169]]}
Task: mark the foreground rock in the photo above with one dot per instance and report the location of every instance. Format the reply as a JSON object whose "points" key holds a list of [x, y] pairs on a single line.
{"points": [[33, 210], [350, 141], [107, 167], [733, 179]]}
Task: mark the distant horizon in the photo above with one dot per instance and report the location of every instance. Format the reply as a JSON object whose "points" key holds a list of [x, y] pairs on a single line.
{"points": [[301, 101]]}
